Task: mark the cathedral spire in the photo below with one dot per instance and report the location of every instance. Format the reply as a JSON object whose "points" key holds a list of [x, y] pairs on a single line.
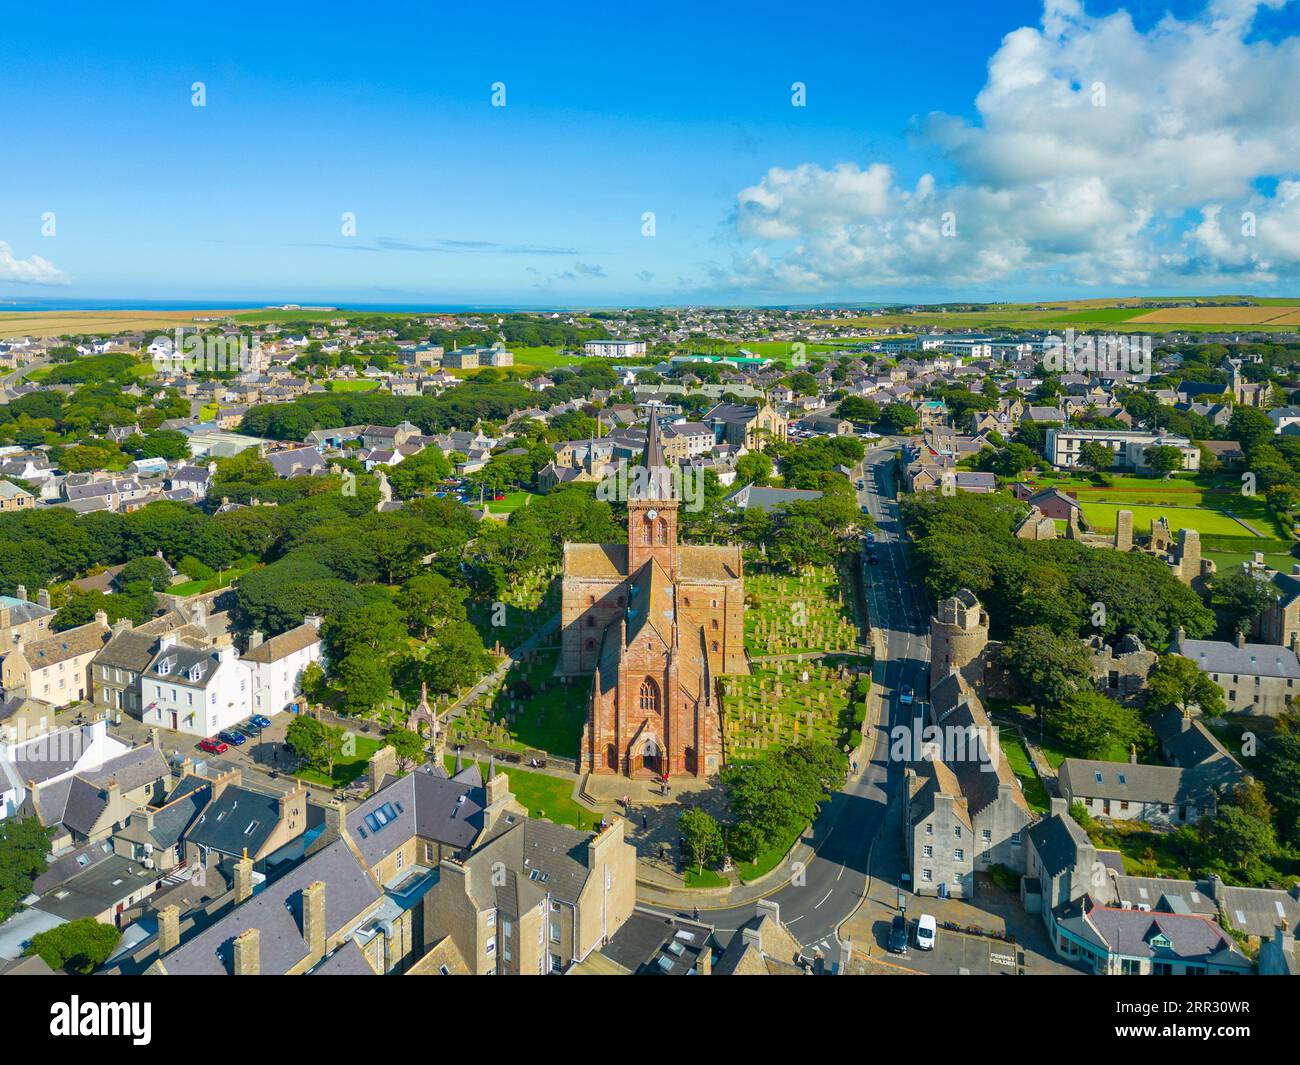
{"points": [[653, 456]]}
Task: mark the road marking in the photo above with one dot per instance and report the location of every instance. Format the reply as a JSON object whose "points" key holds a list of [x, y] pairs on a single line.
{"points": [[824, 898]]}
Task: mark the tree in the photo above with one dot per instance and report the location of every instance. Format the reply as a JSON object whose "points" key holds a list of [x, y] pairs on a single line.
{"points": [[1089, 724], [316, 743], [80, 946], [149, 568], [1096, 456], [1279, 770], [408, 745], [1163, 458], [429, 600], [24, 844], [702, 841], [754, 468], [1178, 682], [1239, 838], [899, 418], [1051, 668], [1239, 597], [364, 679]]}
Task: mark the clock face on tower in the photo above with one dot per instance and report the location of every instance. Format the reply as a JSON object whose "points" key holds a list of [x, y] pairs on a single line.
{"points": [[652, 514]]}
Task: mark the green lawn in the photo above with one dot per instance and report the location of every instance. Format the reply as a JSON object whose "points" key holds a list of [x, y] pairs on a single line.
{"points": [[1035, 793], [512, 502], [768, 859], [346, 769], [544, 796], [707, 879], [222, 580], [352, 386], [1101, 517]]}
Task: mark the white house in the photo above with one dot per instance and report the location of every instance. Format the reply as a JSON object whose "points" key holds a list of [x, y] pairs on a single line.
{"points": [[276, 665], [50, 757], [195, 690]]}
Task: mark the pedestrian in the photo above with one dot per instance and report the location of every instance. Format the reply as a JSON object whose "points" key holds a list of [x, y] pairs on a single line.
{"points": [[645, 821], [696, 913]]}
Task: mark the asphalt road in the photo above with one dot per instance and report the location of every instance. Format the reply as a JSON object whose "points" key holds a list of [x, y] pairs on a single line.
{"points": [[832, 885]]}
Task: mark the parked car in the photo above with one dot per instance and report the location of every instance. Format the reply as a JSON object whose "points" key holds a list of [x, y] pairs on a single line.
{"points": [[213, 745], [259, 721], [925, 932], [874, 559], [898, 935], [906, 695], [236, 739]]}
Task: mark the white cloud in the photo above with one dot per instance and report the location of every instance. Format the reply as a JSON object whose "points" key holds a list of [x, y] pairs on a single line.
{"points": [[1101, 154], [34, 270]]}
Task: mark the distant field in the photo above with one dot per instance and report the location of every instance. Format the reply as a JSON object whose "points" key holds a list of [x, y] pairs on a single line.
{"points": [[74, 323], [1278, 315], [353, 386]]}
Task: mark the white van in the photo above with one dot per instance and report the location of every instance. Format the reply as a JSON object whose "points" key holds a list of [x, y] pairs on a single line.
{"points": [[925, 931]]}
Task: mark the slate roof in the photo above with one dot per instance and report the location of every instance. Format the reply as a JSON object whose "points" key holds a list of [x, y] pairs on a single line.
{"points": [[236, 819], [1057, 840], [1132, 933], [426, 804], [1250, 659], [1123, 781], [274, 911], [62, 646], [283, 645], [347, 960]]}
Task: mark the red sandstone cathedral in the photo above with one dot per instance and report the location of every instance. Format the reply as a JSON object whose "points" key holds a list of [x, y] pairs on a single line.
{"points": [[656, 622]]}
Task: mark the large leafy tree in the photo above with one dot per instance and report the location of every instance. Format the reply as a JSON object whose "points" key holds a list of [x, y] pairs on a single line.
{"points": [[1180, 683], [24, 844], [80, 946], [1091, 725]]}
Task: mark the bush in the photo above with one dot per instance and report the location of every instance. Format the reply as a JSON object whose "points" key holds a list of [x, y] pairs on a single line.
{"points": [[196, 570]]}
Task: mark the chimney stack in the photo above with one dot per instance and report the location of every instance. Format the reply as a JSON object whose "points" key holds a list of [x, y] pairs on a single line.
{"points": [[21, 592], [248, 953], [243, 879], [1240, 638], [254, 639], [101, 618], [169, 929], [1132, 754], [43, 598], [313, 919]]}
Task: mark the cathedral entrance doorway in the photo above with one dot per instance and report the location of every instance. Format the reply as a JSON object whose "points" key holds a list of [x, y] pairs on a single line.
{"points": [[647, 758]]}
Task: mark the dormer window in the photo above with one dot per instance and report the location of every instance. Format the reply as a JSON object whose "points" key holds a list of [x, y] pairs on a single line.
{"points": [[164, 667]]}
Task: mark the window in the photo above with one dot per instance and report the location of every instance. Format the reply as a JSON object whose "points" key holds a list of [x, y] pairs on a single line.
{"points": [[929, 829], [490, 918], [491, 947], [927, 851], [555, 931], [1015, 838], [649, 697], [987, 835], [956, 831], [927, 875], [401, 859], [958, 855]]}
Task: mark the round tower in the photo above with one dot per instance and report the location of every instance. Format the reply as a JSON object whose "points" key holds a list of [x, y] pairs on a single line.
{"points": [[959, 632]]}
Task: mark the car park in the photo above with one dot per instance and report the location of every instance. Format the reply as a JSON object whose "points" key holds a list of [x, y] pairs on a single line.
{"points": [[230, 736]]}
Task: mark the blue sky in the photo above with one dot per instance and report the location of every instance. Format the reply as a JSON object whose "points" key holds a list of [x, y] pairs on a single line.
{"points": [[313, 111]]}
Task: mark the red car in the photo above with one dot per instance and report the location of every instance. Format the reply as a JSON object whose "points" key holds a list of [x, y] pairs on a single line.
{"points": [[213, 746]]}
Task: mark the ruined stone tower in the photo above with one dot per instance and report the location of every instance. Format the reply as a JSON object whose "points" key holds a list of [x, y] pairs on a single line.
{"points": [[959, 633]]}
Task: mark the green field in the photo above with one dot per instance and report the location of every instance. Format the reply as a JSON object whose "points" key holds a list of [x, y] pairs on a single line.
{"points": [[221, 580], [352, 386], [1101, 517]]}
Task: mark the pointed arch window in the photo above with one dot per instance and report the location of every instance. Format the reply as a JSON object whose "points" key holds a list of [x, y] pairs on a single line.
{"points": [[649, 697], [661, 531]]}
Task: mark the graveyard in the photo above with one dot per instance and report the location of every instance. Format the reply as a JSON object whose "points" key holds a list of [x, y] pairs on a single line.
{"points": [[795, 613], [787, 702]]}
